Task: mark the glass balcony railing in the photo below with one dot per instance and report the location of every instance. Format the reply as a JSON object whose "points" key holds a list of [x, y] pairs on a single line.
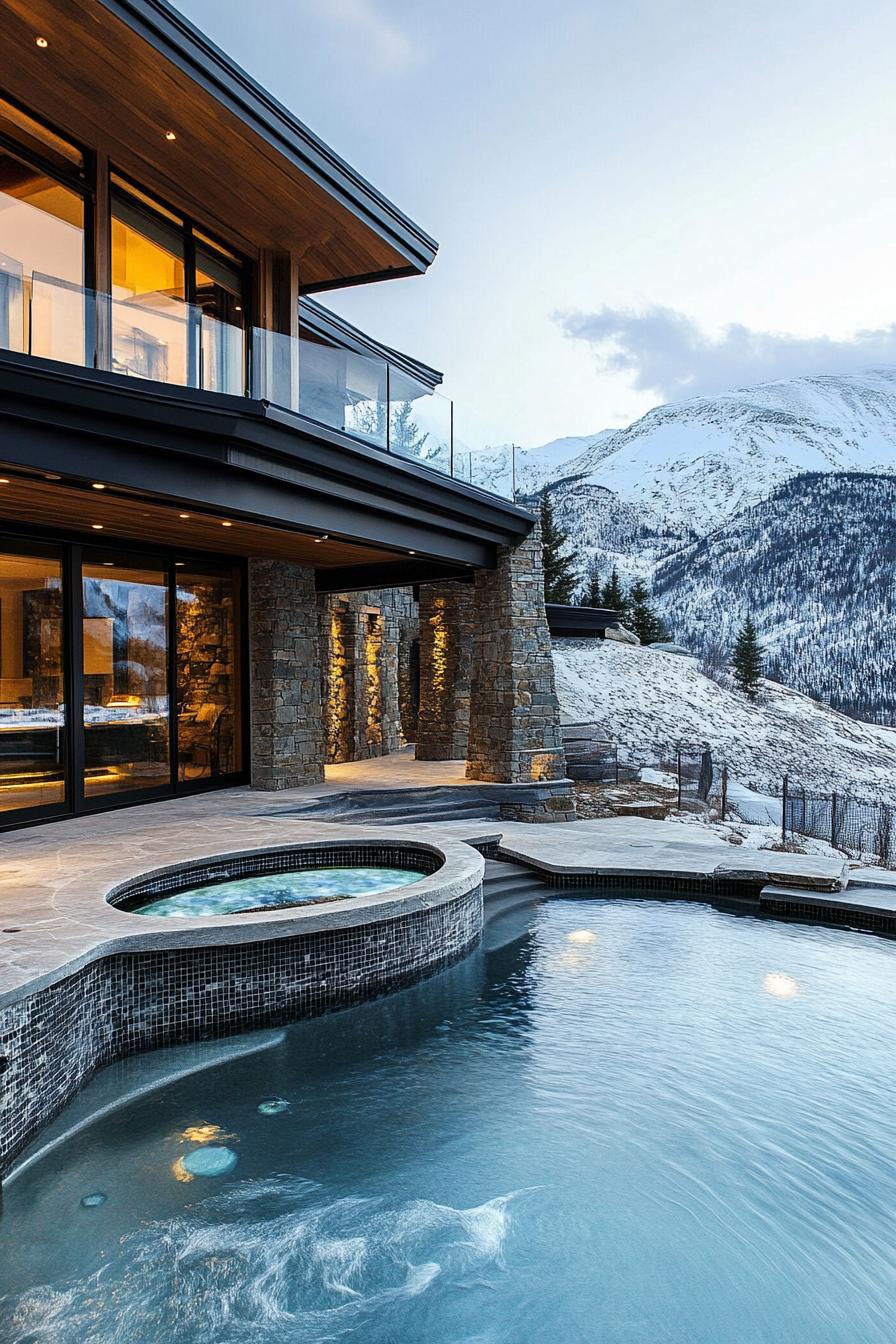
{"points": [[164, 340]]}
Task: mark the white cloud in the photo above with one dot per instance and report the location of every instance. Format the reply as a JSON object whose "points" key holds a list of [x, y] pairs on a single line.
{"points": [[385, 41], [666, 353]]}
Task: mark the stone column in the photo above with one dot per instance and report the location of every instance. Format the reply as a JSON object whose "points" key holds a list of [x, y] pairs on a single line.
{"points": [[446, 629], [515, 733], [285, 693]]}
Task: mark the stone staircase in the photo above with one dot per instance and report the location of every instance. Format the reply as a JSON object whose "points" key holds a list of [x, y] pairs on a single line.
{"points": [[413, 806]]}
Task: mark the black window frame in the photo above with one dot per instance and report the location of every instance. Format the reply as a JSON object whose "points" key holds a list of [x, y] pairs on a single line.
{"points": [[38, 541]]}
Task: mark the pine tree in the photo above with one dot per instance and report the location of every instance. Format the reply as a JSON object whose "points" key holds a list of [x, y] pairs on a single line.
{"points": [[612, 595], [747, 660], [642, 618], [592, 592], [559, 575]]}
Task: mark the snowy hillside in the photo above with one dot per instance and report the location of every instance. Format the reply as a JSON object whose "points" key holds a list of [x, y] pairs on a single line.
{"points": [[641, 697], [697, 463], [815, 565]]}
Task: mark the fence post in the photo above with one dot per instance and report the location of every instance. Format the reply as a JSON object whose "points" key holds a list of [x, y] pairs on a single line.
{"points": [[833, 821], [784, 811], [724, 791], [679, 779]]}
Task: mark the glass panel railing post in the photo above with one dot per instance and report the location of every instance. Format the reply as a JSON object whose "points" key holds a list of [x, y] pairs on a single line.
{"points": [[451, 437], [388, 408]]}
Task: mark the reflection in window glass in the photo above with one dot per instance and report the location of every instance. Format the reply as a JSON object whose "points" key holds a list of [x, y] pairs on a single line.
{"points": [[41, 263], [125, 663], [32, 713], [150, 319], [208, 698]]}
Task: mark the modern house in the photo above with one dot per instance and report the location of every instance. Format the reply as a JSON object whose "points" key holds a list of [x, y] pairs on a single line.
{"points": [[219, 503]]}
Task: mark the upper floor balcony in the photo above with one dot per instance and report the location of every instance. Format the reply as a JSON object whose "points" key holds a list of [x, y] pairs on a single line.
{"points": [[330, 374], [164, 220]]}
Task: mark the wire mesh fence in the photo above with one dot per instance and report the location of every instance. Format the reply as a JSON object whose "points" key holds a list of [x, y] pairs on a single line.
{"points": [[685, 768], [860, 829]]}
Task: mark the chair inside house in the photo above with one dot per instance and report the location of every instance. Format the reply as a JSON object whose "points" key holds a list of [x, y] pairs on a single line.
{"points": [[203, 737]]}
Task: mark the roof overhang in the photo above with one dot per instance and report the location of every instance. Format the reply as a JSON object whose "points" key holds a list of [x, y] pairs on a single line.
{"points": [[251, 464], [117, 74]]}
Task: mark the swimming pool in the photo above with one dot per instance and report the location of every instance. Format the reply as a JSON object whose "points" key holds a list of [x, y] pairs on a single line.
{"points": [[271, 891], [636, 1122]]}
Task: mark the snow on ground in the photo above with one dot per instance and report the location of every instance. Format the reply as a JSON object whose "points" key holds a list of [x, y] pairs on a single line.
{"points": [[642, 697]]}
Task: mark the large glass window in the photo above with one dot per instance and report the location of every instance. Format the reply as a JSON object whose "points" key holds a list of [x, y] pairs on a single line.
{"points": [[209, 728], [42, 302], [125, 674], [32, 710], [151, 336]]}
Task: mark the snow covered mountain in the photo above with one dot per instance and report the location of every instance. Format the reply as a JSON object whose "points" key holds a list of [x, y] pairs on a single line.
{"points": [[815, 564], [778, 499], [695, 464], [644, 697]]}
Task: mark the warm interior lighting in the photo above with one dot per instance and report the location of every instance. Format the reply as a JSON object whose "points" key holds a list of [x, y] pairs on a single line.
{"points": [[41, 42], [170, 135]]}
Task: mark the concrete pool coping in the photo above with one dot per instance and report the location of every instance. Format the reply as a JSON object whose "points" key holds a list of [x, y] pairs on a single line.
{"points": [[54, 878], [73, 923]]}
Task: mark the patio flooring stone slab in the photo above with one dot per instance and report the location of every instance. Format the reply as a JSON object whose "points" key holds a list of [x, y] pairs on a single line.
{"points": [[54, 878]]}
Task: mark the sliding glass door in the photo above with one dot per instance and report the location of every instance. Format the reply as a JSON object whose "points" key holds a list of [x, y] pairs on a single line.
{"points": [[125, 675], [33, 737], [120, 678]]}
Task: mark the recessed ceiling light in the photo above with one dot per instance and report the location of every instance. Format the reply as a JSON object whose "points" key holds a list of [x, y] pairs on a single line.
{"points": [[51, 476], [325, 536], [179, 564], [98, 485], [97, 527], [108, 563], [227, 524], [41, 42], [183, 515], [170, 135], [4, 480], [412, 552]]}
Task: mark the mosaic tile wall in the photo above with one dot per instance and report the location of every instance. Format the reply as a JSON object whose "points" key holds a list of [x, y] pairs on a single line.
{"points": [[51, 1042]]}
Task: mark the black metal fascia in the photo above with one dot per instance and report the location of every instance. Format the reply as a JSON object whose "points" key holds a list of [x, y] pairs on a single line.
{"points": [[400, 574], [186, 47], [247, 440], [324, 322]]}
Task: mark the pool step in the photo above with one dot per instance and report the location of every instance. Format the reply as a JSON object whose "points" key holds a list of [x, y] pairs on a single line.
{"points": [[859, 906], [507, 885]]}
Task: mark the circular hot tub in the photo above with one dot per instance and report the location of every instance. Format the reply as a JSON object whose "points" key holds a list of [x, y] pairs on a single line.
{"points": [[271, 880]]}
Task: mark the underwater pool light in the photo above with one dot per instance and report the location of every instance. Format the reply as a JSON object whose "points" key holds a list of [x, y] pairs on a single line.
{"points": [[276, 1106], [780, 985]]}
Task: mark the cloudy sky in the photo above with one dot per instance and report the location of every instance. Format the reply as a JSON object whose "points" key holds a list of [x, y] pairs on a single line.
{"points": [[634, 203]]}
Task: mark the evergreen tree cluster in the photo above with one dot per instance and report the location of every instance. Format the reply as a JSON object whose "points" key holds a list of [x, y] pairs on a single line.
{"points": [[560, 577], [634, 606]]}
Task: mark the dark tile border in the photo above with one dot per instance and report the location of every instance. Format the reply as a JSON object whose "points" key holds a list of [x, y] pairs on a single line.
{"points": [[52, 1041], [299, 858]]}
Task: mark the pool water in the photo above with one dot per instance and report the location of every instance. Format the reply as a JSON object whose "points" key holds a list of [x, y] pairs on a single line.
{"points": [[278, 889], [637, 1122]]}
